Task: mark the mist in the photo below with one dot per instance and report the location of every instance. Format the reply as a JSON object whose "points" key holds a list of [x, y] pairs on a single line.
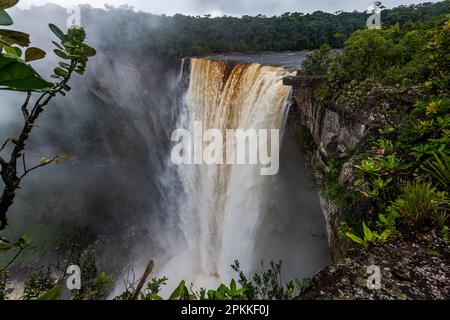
{"points": [[115, 125]]}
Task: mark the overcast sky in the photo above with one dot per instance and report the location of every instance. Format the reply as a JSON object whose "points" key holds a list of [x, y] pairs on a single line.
{"points": [[231, 7]]}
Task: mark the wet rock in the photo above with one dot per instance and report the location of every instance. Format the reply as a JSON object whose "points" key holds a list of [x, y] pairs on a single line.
{"points": [[407, 272]]}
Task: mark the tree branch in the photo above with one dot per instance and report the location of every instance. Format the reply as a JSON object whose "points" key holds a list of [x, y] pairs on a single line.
{"points": [[25, 113], [147, 272], [24, 163], [3, 163], [12, 260], [8, 171], [4, 145], [41, 165]]}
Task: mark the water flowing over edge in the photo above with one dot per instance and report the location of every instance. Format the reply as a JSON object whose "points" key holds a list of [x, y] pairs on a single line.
{"points": [[222, 208]]}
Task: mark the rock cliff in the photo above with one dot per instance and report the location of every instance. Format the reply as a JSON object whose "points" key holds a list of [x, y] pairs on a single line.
{"points": [[411, 268]]}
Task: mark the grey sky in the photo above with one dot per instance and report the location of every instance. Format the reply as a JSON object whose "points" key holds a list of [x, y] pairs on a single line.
{"points": [[232, 7]]}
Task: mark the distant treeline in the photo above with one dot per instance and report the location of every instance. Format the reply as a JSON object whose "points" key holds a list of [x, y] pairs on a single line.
{"points": [[179, 35]]}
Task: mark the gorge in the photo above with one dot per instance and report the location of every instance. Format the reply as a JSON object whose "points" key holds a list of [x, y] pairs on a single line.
{"points": [[227, 213], [322, 165]]}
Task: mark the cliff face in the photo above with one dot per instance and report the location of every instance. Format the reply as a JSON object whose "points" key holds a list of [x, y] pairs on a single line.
{"points": [[335, 131], [341, 130], [411, 268]]}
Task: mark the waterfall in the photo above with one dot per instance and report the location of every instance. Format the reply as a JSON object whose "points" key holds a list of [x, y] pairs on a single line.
{"points": [[223, 202], [180, 75]]}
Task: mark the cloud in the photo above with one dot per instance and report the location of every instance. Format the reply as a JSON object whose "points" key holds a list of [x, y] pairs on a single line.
{"points": [[230, 7]]}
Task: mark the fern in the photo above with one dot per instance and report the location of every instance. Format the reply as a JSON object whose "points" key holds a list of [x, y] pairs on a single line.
{"points": [[439, 169]]}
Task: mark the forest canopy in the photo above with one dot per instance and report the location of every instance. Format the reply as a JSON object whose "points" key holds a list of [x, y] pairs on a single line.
{"points": [[179, 35]]}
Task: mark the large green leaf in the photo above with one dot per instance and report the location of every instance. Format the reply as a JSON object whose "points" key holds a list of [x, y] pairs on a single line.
{"points": [[53, 294], [5, 4], [367, 233], [178, 292], [58, 32], [5, 19], [355, 238], [62, 54], [32, 54], [16, 75], [13, 50], [61, 72], [15, 37], [88, 50]]}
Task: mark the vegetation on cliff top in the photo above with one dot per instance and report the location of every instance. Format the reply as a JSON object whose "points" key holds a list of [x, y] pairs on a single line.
{"points": [[179, 35], [405, 174]]}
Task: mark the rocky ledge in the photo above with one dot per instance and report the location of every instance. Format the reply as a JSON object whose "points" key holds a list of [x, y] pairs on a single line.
{"points": [[411, 269]]}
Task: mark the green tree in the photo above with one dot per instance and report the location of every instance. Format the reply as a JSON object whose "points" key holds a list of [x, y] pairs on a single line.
{"points": [[319, 61], [16, 74]]}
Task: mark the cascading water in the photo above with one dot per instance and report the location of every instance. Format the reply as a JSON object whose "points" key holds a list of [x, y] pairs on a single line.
{"points": [[180, 75], [224, 205]]}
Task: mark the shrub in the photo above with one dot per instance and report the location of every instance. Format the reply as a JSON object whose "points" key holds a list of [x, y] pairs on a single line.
{"points": [[38, 283], [420, 203], [307, 139], [319, 61], [348, 201], [439, 169]]}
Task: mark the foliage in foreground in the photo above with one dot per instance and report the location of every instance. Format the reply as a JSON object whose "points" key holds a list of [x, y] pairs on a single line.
{"points": [[263, 285], [49, 284], [16, 74]]}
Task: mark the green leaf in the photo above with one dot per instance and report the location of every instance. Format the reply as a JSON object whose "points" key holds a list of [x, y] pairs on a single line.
{"points": [[15, 37], [383, 219], [80, 71], [5, 4], [32, 54], [53, 294], [155, 297], [16, 75], [76, 34], [5, 19], [88, 50], [303, 284], [58, 45], [367, 233], [61, 72], [62, 54], [57, 31], [64, 65], [13, 50], [24, 241], [178, 292], [4, 246], [65, 87], [233, 285], [355, 238]]}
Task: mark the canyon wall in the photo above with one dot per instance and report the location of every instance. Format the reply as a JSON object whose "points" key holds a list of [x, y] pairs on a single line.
{"points": [[341, 130]]}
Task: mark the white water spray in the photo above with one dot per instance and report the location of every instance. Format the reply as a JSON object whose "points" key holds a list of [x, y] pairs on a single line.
{"points": [[223, 212]]}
